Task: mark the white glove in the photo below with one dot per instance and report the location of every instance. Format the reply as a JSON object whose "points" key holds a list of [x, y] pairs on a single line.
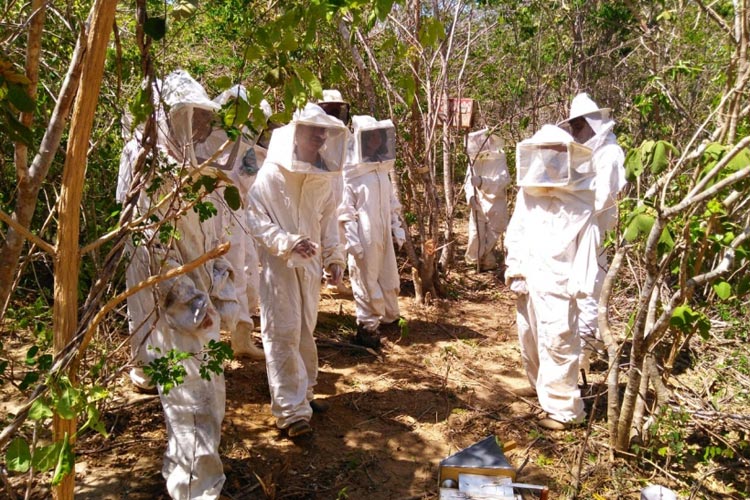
{"points": [[518, 285], [399, 237], [476, 181], [336, 273], [356, 250]]}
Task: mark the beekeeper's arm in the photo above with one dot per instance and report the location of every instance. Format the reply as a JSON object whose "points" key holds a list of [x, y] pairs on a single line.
{"points": [[350, 223], [332, 250], [515, 244], [610, 180], [399, 235], [269, 234]]}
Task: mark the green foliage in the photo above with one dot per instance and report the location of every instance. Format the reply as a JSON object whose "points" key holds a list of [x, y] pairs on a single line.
{"points": [[685, 319], [168, 371], [14, 98], [652, 155]]}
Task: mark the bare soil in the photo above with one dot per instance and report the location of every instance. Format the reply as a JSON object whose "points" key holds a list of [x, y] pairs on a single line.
{"points": [[439, 385]]}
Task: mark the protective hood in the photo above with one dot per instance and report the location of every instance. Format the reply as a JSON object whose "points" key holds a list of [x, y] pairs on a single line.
{"points": [[333, 104], [313, 143], [552, 159], [599, 119], [482, 143], [189, 116], [372, 146]]}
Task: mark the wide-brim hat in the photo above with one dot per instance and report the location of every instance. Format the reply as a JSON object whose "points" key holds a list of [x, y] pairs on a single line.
{"points": [[583, 105]]}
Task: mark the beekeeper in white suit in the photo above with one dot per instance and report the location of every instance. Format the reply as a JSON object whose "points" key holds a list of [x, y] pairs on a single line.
{"points": [[334, 105], [486, 181], [194, 409], [592, 126], [550, 263], [369, 218], [293, 220], [239, 162], [189, 308]]}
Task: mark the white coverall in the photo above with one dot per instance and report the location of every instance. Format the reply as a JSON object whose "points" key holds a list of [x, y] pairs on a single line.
{"points": [[194, 409], [369, 218], [608, 162], [549, 245], [231, 225], [485, 188], [190, 307], [291, 201]]}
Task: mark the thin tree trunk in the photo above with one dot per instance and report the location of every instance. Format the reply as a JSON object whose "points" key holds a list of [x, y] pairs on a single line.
{"points": [[446, 257], [67, 259], [29, 186], [362, 69]]}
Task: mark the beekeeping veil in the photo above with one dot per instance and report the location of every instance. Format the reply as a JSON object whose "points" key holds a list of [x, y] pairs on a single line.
{"points": [[552, 159], [599, 119], [189, 116], [334, 105], [313, 143], [372, 146]]}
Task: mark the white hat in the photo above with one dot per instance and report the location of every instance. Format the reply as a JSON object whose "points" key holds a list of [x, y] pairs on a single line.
{"points": [[583, 105], [332, 95]]}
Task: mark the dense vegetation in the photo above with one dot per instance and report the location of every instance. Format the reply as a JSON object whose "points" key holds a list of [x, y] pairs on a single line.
{"points": [[674, 72]]}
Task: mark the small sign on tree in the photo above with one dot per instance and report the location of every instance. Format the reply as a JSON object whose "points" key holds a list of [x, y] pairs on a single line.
{"points": [[457, 113]]}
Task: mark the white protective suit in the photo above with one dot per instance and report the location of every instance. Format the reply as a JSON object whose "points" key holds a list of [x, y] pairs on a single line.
{"points": [[194, 409], [141, 305], [239, 162], [608, 162], [550, 261], [291, 202], [186, 311], [486, 181], [334, 105], [369, 218]]}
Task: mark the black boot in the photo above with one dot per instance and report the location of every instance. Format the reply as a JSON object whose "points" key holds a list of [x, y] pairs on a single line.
{"points": [[367, 338]]}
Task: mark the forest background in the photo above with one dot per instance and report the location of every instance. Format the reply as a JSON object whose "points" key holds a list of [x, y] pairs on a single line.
{"points": [[674, 72]]}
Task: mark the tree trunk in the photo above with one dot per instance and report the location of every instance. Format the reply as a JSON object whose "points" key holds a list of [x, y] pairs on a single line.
{"points": [[29, 186], [446, 256], [67, 259]]}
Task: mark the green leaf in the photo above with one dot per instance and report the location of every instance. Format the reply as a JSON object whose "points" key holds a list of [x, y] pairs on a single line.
{"points": [[431, 33], [232, 197], [65, 461], [18, 96], [659, 159], [141, 107], [40, 410], [310, 81], [253, 52], [155, 27], [633, 165], [66, 405], [640, 224], [46, 457], [17, 131], [223, 82], [383, 8], [723, 290], [18, 455], [94, 421]]}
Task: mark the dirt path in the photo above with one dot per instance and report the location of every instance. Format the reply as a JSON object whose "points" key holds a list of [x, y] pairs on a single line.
{"points": [[433, 390]]}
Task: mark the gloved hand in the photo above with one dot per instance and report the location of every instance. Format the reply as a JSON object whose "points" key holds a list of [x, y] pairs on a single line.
{"points": [[336, 273], [476, 181], [356, 250], [518, 285], [305, 248], [399, 237]]}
